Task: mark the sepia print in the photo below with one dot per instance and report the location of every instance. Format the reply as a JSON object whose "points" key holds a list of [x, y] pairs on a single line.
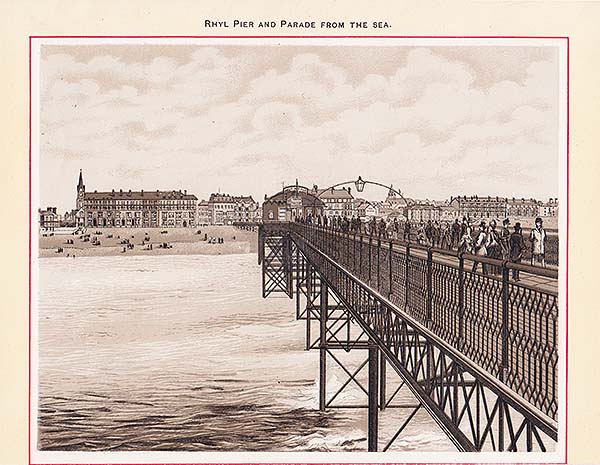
{"points": [[298, 245]]}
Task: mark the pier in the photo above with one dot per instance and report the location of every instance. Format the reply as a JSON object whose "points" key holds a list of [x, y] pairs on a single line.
{"points": [[479, 352]]}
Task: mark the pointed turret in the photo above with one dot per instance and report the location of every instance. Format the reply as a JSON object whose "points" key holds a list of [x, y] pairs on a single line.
{"points": [[391, 192], [80, 185], [80, 191]]}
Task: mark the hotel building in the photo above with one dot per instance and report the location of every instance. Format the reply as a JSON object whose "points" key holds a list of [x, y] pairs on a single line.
{"points": [[135, 209]]}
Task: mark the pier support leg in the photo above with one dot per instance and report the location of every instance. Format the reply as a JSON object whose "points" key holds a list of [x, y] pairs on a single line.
{"points": [[323, 347], [373, 395], [309, 302], [382, 380], [299, 269]]}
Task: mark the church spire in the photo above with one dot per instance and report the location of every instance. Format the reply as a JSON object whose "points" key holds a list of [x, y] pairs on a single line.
{"points": [[80, 192], [80, 185]]}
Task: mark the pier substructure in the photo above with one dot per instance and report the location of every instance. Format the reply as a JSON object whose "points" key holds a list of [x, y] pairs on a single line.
{"points": [[360, 311], [333, 331]]}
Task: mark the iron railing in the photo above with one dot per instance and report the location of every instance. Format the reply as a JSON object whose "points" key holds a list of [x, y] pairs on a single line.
{"points": [[509, 328]]}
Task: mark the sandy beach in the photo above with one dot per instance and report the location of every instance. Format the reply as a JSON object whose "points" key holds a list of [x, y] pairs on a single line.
{"points": [[149, 241]]}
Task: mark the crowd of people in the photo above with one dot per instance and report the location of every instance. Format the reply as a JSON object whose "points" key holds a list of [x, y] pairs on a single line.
{"points": [[487, 241]]}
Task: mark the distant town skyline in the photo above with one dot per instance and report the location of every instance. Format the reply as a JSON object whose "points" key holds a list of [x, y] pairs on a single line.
{"points": [[371, 193], [433, 121]]}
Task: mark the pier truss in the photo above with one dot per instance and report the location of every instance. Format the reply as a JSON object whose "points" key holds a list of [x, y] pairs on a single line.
{"points": [[477, 352]]}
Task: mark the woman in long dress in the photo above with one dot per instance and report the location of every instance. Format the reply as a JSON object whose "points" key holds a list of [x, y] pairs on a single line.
{"points": [[480, 247]]}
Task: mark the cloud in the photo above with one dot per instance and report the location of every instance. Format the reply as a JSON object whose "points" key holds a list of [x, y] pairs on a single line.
{"points": [[219, 118]]}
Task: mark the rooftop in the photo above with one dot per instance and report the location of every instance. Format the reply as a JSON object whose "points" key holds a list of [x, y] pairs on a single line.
{"points": [[140, 195], [228, 198], [332, 193]]}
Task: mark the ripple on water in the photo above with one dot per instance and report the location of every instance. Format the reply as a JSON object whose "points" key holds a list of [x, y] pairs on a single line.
{"points": [[180, 353]]}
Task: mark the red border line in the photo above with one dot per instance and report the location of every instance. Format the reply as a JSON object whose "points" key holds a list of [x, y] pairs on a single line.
{"points": [[567, 268], [31, 37], [29, 277]]}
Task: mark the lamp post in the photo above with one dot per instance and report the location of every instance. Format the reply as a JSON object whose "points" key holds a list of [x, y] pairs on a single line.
{"points": [[360, 186]]}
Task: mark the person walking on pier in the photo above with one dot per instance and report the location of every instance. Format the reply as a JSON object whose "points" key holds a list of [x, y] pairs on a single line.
{"points": [[406, 235], [429, 232], [382, 227], [493, 247], [480, 247], [447, 242], [373, 227], [505, 239], [436, 235], [516, 248], [456, 234], [464, 227], [465, 243], [538, 239]]}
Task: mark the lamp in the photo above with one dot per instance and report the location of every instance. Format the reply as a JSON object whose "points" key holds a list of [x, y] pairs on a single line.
{"points": [[360, 184]]}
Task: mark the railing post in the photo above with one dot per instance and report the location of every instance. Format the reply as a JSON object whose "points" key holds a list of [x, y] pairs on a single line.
{"points": [[289, 265], [407, 280], [504, 361], [504, 329], [391, 277], [429, 285], [461, 300], [330, 241], [309, 298], [370, 246], [360, 260], [378, 264], [348, 249], [298, 278], [354, 252]]}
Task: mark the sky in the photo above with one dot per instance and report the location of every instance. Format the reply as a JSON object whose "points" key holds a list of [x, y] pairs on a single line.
{"points": [[434, 121]]}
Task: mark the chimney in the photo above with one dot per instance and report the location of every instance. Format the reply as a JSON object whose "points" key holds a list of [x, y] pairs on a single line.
{"points": [[185, 192], [142, 192], [120, 191]]}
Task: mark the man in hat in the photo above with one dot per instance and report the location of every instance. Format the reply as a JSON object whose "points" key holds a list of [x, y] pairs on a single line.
{"points": [[456, 232], [505, 239], [538, 243], [406, 235], [517, 246]]}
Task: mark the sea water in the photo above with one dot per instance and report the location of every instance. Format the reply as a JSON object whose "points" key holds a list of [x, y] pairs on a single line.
{"points": [[181, 353]]}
